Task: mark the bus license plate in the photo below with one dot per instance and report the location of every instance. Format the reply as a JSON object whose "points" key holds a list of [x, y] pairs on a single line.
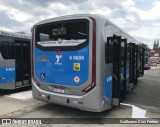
{"points": [[58, 90]]}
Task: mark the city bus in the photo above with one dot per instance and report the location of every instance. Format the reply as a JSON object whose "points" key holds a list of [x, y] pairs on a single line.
{"points": [[83, 61], [14, 60]]}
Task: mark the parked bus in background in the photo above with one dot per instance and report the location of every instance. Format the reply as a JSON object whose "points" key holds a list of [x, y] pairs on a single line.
{"points": [[14, 60], [155, 55], [153, 61], [83, 61]]}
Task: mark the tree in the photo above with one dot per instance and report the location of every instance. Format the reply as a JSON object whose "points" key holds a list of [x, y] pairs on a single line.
{"points": [[145, 46], [158, 45], [154, 45]]}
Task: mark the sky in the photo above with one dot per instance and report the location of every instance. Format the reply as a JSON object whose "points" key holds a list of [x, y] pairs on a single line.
{"points": [[139, 18]]}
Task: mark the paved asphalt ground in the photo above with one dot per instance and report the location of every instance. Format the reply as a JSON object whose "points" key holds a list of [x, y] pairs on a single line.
{"points": [[143, 101]]}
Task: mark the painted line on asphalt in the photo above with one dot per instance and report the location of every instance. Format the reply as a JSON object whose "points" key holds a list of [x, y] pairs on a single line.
{"points": [[136, 111], [153, 75], [145, 71], [25, 95], [155, 67]]}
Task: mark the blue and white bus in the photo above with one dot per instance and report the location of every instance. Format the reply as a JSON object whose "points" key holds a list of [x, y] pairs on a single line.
{"points": [[14, 60], [83, 61]]}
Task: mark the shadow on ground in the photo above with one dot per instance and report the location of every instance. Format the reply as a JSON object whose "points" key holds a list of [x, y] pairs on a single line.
{"points": [[7, 92]]}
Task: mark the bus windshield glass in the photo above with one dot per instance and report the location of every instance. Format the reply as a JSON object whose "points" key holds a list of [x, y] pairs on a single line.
{"points": [[63, 35]]}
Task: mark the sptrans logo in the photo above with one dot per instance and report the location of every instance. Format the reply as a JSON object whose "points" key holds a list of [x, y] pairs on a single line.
{"points": [[58, 57]]}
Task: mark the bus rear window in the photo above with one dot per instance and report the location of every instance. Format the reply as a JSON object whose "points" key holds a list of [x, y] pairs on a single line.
{"points": [[64, 35]]}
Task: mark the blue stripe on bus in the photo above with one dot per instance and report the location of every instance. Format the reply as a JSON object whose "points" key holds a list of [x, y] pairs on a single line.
{"points": [[67, 68], [7, 75]]}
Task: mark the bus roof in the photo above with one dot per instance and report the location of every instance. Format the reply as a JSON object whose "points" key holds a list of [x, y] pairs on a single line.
{"points": [[17, 35]]}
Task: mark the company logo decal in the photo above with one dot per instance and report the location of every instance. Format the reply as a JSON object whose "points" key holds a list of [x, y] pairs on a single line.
{"points": [[58, 57], [43, 58]]}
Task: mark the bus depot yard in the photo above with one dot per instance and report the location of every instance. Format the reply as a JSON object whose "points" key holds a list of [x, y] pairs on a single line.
{"points": [[142, 102], [83, 66]]}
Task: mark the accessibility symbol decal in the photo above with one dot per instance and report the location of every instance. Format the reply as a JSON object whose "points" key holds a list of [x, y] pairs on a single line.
{"points": [[43, 76]]}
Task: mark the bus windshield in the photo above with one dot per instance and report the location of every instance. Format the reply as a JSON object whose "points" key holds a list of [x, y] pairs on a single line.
{"points": [[63, 35]]}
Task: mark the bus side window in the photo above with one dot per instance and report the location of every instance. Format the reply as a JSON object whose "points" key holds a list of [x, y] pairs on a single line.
{"points": [[7, 50], [109, 52]]}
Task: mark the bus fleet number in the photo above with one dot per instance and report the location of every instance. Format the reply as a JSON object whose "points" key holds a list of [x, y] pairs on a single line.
{"points": [[76, 57]]}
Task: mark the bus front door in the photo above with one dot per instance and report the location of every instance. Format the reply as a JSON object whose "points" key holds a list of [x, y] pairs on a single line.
{"points": [[26, 63], [116, 80], [18, 63], [141, 62], [22, 63], [123, 74], [131, 64]]}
